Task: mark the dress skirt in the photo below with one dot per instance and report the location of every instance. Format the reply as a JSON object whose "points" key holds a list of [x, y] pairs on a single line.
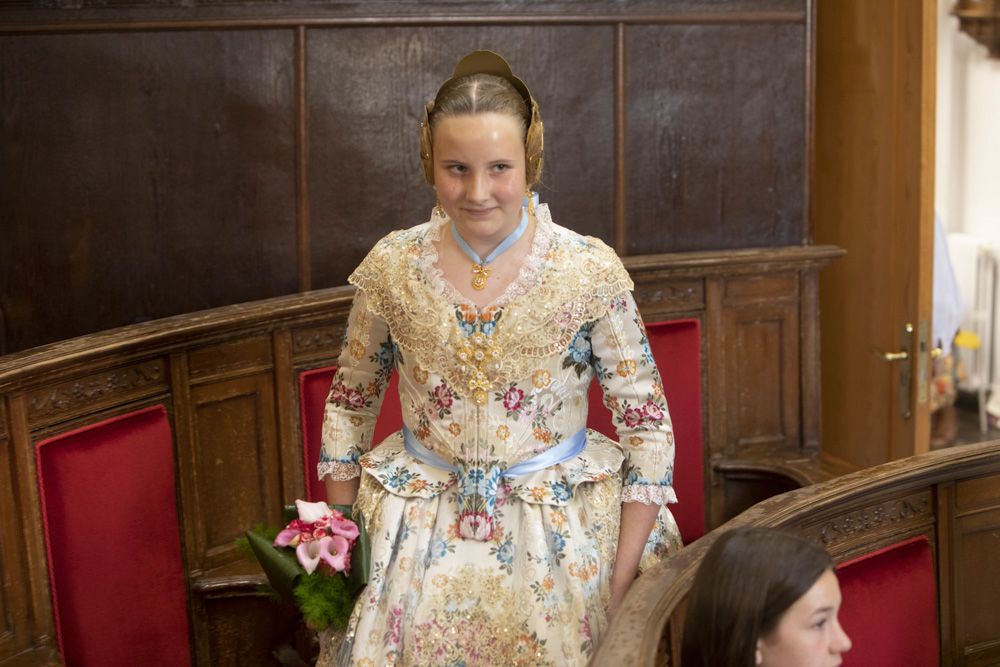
{"points": [[534, 594]]}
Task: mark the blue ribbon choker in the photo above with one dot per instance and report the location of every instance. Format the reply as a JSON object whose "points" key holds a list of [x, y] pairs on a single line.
{"points": [[479, 271]]}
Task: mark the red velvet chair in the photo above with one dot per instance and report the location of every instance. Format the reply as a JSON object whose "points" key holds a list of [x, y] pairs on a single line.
{"points": [[113, 543], [889, 606], [676, 346], [314, 386]]}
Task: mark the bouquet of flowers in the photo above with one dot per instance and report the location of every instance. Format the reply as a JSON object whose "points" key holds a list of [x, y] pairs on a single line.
{"points": [[319, 561]]}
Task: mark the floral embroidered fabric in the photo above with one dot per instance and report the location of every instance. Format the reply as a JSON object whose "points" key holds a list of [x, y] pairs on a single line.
{"points": [[485, 389], [544, 317]]}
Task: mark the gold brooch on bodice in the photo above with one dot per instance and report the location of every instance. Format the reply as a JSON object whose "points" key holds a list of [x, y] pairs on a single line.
{"points": [[477, 351], [480, 359]]}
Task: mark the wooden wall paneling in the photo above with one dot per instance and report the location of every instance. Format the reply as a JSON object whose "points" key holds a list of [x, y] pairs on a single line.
{"points": [[621, 133], [192, 513], [234, 451], [201, 636], [236, 458], [318, 344], [364, 166], [810, 118], [149, 13], [702, 10], [244, 628], [809, 343], [187, 473], [715, 371], [977, 579], [229, 358], [770, 289], [34, 607], [660, 297], [286, 396], [762, 365], [947, 573], [145, 174], [716, 127], [302, 234], [13, 596]]}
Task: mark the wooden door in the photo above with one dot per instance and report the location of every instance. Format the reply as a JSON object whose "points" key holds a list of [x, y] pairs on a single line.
{"points": [[874, 185]]}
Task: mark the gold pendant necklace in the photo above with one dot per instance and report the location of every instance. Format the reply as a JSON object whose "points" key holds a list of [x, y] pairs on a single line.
{"points": [[479, 275], [479, 271]]}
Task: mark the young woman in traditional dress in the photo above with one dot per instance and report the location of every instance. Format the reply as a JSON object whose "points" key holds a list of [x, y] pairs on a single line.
{"points": [[503, 531]]}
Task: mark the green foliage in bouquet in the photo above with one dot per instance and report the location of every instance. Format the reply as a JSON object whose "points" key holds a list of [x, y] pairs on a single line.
{"points": [[324, 599]]}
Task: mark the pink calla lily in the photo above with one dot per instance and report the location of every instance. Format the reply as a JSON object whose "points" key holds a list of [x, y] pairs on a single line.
{"points": [[290, 536], [336, 552], [332, 550], [308, 554], [344, 527]]}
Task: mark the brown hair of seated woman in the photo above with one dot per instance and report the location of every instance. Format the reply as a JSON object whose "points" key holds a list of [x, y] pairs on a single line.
{"points": [[746, 581]]}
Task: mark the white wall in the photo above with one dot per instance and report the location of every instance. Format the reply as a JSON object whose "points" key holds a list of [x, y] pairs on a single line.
{"points": [[967, 183], [967, 154]]}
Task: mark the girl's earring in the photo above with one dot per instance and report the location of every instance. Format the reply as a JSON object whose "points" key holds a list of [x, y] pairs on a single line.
{"points": [[438, 209], [529, 197]]}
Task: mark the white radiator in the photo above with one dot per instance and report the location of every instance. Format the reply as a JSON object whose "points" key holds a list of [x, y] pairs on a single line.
{"points": [[975, 263]]}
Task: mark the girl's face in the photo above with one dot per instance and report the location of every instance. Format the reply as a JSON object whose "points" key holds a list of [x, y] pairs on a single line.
{"points": [[808, 634], [479, 173]]}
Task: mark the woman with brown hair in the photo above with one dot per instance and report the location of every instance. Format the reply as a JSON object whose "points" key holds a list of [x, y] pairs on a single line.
{"points": [[503, 531], [763, 597]]}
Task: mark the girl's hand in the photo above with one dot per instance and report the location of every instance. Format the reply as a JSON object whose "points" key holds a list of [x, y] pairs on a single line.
{"points": [[617, 595], [637, 522]]}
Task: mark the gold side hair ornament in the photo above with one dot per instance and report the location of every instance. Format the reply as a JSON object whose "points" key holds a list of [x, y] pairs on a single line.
{"points": [[488, 62]]}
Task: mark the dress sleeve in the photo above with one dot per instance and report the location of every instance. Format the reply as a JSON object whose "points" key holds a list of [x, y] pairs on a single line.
{"points": [[352, 406], [633, 392]]}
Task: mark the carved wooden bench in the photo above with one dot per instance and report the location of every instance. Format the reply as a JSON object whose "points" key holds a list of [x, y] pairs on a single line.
{"points": [[930, 522], [137, 456]]}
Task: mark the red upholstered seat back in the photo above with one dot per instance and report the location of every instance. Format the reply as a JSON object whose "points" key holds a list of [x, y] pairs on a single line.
{"points": [[113, 542], [676, 346], [890, 606], [314, 386]]}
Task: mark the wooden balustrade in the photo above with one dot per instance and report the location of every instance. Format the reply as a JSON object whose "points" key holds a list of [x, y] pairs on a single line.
{"points": [[951, 497], [227, 380]]}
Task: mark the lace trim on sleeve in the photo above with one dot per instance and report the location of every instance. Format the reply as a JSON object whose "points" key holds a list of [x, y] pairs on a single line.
{"points": [[337, 471], [648, 494]]}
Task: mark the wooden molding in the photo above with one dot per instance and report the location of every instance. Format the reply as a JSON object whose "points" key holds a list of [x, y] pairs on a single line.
{"points": [[748, 260], [48, 362], [40, 20]]}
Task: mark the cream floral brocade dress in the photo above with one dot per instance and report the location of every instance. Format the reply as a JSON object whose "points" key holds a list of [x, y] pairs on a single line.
{"points": [[469, 566]]}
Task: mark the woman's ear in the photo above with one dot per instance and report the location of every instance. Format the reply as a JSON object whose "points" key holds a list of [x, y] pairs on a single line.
{"points": [[758, 655]]}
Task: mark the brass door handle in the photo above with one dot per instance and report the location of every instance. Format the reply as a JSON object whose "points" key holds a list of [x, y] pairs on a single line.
{"points": [[896, 356]]}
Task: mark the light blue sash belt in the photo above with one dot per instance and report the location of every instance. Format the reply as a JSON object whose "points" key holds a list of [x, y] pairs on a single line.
{"points": [[564, 451]]}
